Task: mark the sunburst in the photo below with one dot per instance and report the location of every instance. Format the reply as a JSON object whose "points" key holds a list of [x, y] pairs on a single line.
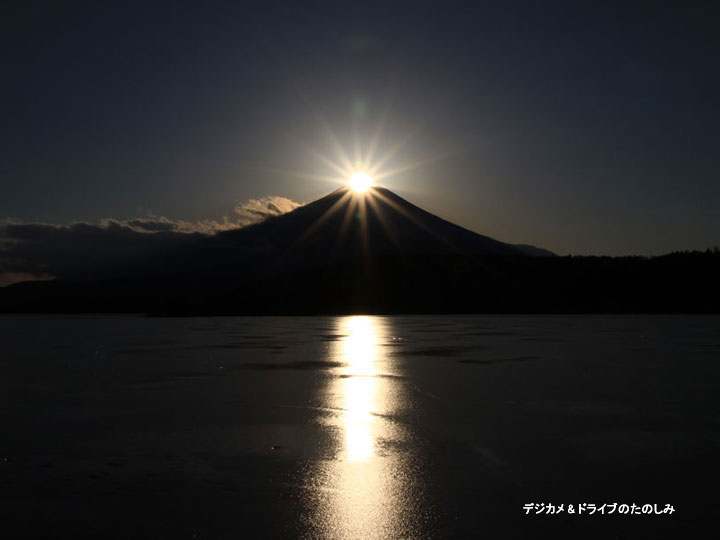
{"points": [[362, 193]]}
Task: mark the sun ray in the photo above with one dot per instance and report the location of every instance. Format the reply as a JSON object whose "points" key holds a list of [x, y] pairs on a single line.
{"points": [[294, 174], [357, 145], [347, 219], [412, 218], [411, 166], [336, 206], [375, 140], [322, 157], [378, 133], [326, 215], [330, 135], [394, 150], [372, 202], [363, 223], [395, 206]]}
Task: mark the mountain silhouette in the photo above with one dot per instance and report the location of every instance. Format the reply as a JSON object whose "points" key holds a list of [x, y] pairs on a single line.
{"points": [[346, 225]]}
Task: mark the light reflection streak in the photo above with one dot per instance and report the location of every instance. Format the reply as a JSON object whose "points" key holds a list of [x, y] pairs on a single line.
{"points": [[366, 491], [359, 387]]}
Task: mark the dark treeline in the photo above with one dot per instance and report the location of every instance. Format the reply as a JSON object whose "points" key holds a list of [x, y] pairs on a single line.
{"points": [[683, 282]]}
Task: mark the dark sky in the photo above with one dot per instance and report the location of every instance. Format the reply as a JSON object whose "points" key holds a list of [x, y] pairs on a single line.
{"points": [[581, 127]]}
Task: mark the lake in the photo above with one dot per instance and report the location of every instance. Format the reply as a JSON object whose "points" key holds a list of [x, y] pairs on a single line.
{"points": [[359, 427]]}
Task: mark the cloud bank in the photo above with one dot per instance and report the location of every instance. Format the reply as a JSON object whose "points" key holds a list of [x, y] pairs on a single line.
{"points": [[115, 247]]}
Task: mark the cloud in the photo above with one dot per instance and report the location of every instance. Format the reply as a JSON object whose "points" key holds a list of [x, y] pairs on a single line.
{"points": [[8, 278], [85, 250], [255, 210], [126, 248], [156, 224]]}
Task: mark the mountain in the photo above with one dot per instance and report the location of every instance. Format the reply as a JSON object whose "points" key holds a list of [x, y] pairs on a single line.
{"points": [[377, 221], [343, 226], [346, 225]]}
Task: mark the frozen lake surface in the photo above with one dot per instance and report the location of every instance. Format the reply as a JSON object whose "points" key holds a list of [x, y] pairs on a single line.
{"points": [[339, 428]]}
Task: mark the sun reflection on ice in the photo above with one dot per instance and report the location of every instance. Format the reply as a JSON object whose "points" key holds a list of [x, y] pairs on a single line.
{"points": [[359, 387], [368, 490], [364, 498], [360, 345]]}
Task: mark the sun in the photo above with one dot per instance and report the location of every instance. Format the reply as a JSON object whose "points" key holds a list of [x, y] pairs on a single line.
{"points": [[360, 181]]}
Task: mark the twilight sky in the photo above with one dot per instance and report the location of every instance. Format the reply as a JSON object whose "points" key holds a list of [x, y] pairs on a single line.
{"points": [[580, 127]]}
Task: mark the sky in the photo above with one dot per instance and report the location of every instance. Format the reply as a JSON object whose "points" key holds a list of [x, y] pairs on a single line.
{"points": [[579, 127]]}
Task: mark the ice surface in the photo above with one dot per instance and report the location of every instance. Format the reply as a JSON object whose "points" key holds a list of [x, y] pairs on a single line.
{"points": [[356, 427]]}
